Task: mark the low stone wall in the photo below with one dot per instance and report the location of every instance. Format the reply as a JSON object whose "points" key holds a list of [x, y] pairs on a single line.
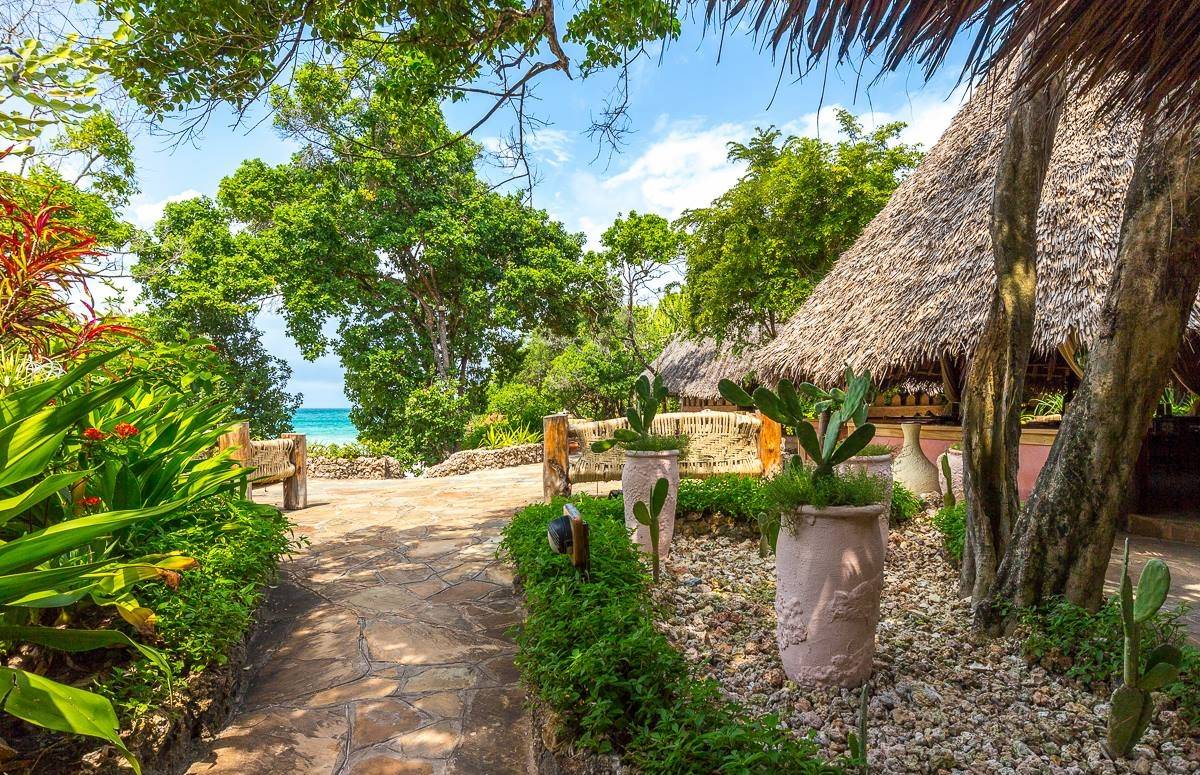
{"points": [[356, 468], [469, 460]]}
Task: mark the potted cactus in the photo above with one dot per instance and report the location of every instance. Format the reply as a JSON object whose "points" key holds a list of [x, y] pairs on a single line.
{"points": [[648, 458], [1132, 705], [829, 548]]}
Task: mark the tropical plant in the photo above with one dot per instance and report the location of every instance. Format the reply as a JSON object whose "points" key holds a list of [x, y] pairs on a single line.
{"points": [[1132, 705], [951, 522], [788, 409], [499, 436], [65, 561], [638, 436], [648, 516], [1044, 405]]}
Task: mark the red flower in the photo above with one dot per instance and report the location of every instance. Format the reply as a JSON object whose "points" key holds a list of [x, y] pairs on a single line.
{"points": [[94, 434], [125, 430], [212, 347], [89, 501]]}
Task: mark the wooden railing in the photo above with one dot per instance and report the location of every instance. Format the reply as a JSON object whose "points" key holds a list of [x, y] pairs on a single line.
{"points": [[283, 460]]}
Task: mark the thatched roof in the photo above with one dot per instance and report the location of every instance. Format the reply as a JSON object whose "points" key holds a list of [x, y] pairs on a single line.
{"points": [[917, 284], [692, 368]]}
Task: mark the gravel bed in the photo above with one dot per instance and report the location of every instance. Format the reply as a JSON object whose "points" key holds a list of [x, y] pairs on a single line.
{"points": [[944, 698]]}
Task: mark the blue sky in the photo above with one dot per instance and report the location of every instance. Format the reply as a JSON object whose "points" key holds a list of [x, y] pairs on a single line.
{"points": [[685, 106]]}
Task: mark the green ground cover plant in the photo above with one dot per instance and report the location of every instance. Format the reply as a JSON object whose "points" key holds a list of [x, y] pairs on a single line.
{"points": [[905, 505], [734, 495], [951, 522], [237, 545], [589, 650], [1087, 646]]}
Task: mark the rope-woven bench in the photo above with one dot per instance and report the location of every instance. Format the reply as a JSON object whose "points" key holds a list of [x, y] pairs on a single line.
{"points": [[718, 443], [283, 460]]}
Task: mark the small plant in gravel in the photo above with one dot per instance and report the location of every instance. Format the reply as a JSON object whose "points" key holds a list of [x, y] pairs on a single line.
{"points": [[734, 495], [948, 499], [905, 505], [857, 742], [648, 515], [638, 437], [1132, 704], [951, 522]]}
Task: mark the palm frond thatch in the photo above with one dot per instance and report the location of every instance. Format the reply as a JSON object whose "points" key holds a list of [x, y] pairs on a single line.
{"points": [[1146, 54], [917, 284], [692, 368]]}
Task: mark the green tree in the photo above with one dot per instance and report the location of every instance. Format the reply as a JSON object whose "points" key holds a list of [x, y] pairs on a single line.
{"points": [[754, 255], [200, 279]]}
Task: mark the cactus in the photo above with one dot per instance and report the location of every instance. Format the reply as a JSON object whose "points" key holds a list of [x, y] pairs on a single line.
{"points": [[857, 742], [948, 499], [648, 396], [1132, 703], [787, 409], [648, 516]]}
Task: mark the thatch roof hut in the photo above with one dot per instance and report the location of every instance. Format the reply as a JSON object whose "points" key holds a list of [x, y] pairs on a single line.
{"points": [[692, 368], [911, 295]]}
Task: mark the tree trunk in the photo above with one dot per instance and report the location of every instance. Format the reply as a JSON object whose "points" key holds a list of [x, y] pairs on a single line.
{"points": [[1064, 536], [995, 387]]}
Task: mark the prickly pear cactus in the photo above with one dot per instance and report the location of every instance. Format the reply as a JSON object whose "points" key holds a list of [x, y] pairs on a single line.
{"points": [[948, 499], [1132, 703]]}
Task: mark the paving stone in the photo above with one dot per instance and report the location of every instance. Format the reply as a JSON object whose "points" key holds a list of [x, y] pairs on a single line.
{"points": [[441, 705], [464, 591], [362, 689], [277, 741], [438, 679], [435, 741], [388, 763], [495, 718], [412, 642], [376, 721]]}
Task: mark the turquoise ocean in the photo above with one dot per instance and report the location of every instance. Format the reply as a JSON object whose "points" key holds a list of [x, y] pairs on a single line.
{"points": [[325, 426]]}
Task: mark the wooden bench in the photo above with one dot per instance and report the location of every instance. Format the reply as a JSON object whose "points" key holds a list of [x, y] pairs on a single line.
{"points": [[274, 461]]}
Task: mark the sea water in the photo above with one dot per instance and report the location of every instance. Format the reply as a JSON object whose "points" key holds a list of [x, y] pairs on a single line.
{"points": [[325, 426]]}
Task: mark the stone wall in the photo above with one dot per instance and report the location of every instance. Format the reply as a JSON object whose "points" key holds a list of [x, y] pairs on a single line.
{"points": [[357, 468], [469, 460]]}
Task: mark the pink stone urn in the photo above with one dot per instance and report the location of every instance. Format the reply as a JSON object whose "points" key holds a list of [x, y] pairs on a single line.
{"points": [[641, 471], [879, 466], [829, 576]]}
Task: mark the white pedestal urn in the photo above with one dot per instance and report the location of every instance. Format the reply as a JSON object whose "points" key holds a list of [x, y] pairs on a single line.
{"points": [[641, 471], [911, 468], [956, 472], [878, 466], [829, 576]]}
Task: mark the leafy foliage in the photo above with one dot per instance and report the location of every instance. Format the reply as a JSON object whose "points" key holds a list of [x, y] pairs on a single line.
{"points": [[754, 255], [734, 495], [590, 651], [46, 83], [905, 505], [1089, 647], [951, 522], [801, 486]]}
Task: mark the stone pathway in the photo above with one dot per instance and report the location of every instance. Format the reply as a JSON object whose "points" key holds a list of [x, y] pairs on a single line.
{"points": [[387, 651]]}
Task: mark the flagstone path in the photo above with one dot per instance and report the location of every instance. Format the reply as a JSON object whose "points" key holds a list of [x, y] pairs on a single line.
{"points": [[387, 651]]}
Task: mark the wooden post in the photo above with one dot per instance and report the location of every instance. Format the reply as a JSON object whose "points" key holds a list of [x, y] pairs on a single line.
{"points": [[770, 444], [556, 465], [295, 487], [243, 453]]}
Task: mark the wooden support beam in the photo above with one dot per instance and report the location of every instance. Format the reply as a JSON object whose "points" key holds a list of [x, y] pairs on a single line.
{"points": [[295, 487], [556, 464], [238, 438], [770, 444]]}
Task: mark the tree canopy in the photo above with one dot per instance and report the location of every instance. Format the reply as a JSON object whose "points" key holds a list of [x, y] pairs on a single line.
{"points": [[754, 254]]}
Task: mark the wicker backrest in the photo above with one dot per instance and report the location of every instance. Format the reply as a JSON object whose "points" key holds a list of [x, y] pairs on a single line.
{"points": [[272, 461], [718, 443]]}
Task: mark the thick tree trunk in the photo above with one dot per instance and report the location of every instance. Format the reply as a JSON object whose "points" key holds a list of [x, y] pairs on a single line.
{"points": [[1063, 537], [995, 387]]}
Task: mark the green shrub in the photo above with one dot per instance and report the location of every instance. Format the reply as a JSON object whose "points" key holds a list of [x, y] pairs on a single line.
{"points": [[498, 437], [348, 451], [905, 505], [659, 443], [590, 651], [1088, 647], [734, 495], [238, 545], [873, 450], [952, 523], [520, 404], [797, 486]]}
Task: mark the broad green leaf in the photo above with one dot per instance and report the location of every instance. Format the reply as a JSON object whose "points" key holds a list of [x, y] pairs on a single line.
{"points": [[45, 703], [790, 400], [11, 507], [603, 445], [641, 513], [853, 444], [15, 586], [635, 421], [80, 640], [807, 436], [1152, 588], [734, 394], [625, 435], [768, 404], [1165, 652], [1159, 676]]}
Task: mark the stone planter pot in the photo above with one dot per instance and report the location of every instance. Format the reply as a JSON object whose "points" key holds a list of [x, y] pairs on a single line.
{"points": [[829, 576], [641, 471], [880, 466], [956, 472], [911, 468]]}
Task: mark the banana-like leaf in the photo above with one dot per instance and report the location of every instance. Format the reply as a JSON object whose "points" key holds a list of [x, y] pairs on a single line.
{"points": [[658, 496], [641, 513], [853, 444], [11, 507], [1159, 676], [807, 436], [45, 703], [734, 394], [15, 586], [28, 400], [80, 640], [1152, 588]]}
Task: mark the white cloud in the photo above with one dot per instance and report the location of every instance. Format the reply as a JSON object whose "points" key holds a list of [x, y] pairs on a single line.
{"points": [[145, 214]]}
